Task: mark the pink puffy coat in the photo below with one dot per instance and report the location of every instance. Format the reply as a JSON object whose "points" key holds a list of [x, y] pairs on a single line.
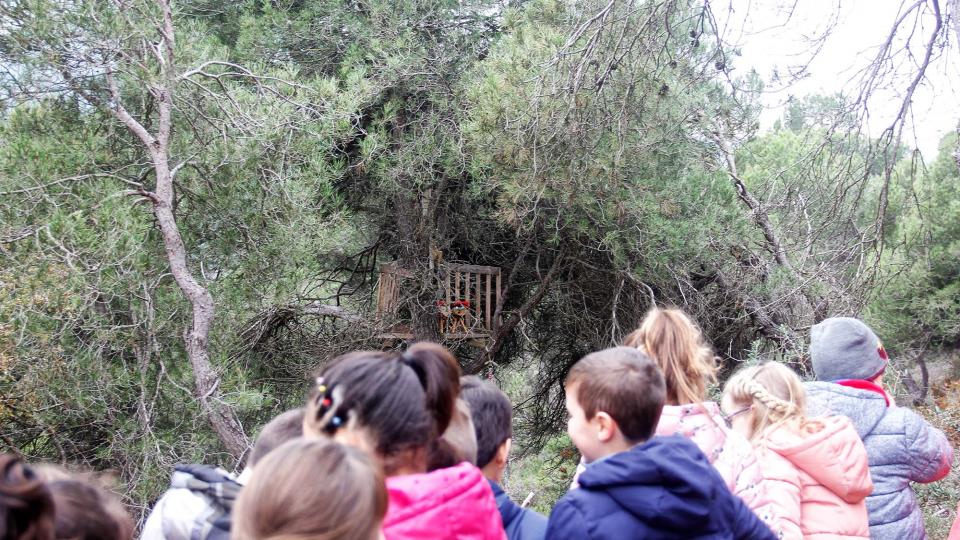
{"points": [[729, 453], [448, 504], [819, 479], [955, 530]]}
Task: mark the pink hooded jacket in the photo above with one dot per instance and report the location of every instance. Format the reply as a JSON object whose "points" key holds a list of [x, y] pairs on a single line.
{"points": [[955, 530], [449, 504], [729, 453], [819, 479]]}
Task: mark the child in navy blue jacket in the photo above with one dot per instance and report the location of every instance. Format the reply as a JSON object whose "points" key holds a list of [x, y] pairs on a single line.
{"points": [[637, 486], [492, 416]]}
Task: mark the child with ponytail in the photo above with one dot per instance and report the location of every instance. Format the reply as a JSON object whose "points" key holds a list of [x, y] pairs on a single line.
{"points": [[675, 343], [816, 467], [397, 407]]}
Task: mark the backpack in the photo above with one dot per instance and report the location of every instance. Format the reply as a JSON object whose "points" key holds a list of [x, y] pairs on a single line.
{"points": [[219, 490]]}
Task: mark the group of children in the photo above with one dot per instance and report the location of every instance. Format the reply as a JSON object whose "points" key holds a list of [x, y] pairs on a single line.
{"points": [[401, 446]]}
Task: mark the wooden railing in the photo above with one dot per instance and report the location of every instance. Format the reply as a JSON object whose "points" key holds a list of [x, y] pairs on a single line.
{"points": [[467, 308]]}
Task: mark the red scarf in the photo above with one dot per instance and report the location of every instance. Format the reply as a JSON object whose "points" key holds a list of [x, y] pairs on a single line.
{"points": [[861, 384]]}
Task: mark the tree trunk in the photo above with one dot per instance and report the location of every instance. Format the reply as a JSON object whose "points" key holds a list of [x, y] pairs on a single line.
{"points": [[817, 304], [502, 331], [206, 381], [415, 226]]}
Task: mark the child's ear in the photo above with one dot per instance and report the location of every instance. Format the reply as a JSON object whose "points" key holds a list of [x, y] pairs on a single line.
{"points": [[607, 427], [503, 452]]}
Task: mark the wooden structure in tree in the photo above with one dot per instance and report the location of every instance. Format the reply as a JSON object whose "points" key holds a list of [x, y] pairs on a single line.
{"points": [[466, 303]]}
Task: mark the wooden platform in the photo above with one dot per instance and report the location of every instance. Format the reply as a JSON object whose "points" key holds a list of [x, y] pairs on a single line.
{"points": [[449, 336]]}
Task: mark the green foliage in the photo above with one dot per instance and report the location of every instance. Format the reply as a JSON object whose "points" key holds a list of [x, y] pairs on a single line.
{"points": [[919, 304], [546, 474]]}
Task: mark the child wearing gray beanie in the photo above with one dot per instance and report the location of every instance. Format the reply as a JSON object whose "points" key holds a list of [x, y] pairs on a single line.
{"points": [[845, 348], [849, 361]]}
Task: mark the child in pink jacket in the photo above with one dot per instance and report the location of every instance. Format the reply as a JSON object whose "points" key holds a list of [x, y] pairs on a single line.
{"points": [[818, 467], [395, 407], [672, 339], [955, 530]]}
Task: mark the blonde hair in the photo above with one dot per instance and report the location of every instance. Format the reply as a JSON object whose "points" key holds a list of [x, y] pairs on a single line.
{"points": [[673, 340], [774, 391], [312, 489]]}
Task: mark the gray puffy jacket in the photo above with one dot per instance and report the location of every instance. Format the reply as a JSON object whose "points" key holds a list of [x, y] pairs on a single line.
{"points": [[901, 447]]}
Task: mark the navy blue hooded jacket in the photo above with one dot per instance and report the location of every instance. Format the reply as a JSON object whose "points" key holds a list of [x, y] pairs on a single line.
{"points": [[520, 523], [663, 489]]}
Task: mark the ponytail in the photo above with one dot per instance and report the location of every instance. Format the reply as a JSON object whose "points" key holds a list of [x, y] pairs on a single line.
{"points": [[26, 506], [439, 375], [404, 402]]}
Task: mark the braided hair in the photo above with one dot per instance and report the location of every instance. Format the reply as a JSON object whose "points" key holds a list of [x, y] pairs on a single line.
{"points": [[774, 391]]}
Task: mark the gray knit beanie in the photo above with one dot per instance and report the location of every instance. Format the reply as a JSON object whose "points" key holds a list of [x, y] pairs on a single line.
{"points": [[845, 348]]}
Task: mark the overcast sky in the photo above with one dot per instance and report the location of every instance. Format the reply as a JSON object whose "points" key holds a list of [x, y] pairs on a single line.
{"points": [[769, 41]]}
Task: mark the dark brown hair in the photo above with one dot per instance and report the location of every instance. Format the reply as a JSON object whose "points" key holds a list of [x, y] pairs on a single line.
{"points": [[492, 416], [312, 488], [87, 511], [283, 428], [26, 507], [458, 443], [404, 401], [624, 383]]}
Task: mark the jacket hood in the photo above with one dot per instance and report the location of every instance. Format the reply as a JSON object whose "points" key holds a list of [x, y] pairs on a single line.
{"points": [[830, 451], [863, 407], [457, 500], [665, 482], [688, 420], [703, 424]]}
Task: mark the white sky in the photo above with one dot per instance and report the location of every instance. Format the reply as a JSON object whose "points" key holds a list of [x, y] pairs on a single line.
{"points": [[769, 41]]}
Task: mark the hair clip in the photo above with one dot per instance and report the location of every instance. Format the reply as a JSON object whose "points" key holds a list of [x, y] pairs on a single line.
{"points": [[329, 401]]}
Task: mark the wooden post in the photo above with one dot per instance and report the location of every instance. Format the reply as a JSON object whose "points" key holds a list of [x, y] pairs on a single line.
{"points": [[476, 310], [446, 288], [456, 290], [486, 307], [466, 296], [496, 323], [446, 298]]}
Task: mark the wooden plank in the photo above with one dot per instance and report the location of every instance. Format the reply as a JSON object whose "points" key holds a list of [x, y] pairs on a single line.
{"points": [[446, 288], [486, 307], [386, 293], [474, 268], [496, 323], [394, 268], [466, 296], [476, 310], [393, 292]]}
